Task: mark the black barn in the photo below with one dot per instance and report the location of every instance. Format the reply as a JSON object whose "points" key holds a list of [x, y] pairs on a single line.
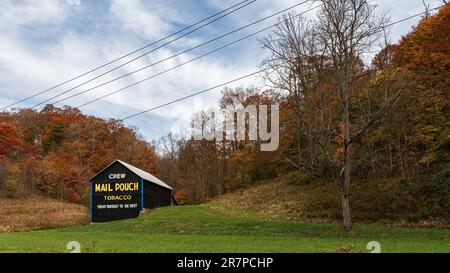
{"points": [[121, 191]]}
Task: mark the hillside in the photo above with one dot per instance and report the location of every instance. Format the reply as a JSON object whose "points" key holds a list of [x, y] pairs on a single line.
{"points": [[201, 229], [37, 212], [299, 196], [54, 151]]}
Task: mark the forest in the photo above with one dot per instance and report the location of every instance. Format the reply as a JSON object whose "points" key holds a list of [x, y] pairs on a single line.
{"points": [[382, 128]]}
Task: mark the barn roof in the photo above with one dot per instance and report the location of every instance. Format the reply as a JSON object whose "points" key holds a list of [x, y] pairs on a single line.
{"points": [[141, 173]]}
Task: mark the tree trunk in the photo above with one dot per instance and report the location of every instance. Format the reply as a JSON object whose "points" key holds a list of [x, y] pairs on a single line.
{"points": [[346, 215], [345, 191]]}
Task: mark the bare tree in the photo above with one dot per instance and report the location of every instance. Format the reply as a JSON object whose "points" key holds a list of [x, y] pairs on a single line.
{"points": [[319, 64]]}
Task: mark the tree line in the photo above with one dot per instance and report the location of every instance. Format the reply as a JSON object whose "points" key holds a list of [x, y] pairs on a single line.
{"points": [[57, 150]]}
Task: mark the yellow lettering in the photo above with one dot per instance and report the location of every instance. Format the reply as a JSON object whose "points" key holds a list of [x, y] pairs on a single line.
{"points": [[133, 186], [102, 187], [105, 187], [117, 197]]}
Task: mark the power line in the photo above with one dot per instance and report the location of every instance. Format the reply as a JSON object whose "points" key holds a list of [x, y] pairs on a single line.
{"points": [[137, 50], [138, 57], [413, 16], [185, 51], [193, 94], [242, 77], [190, 61], [401, 21], [215, 50], [142, 55]]}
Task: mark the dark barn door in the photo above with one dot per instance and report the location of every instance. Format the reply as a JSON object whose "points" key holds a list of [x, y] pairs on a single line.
{"points": [[156, 196], [115, 194]]}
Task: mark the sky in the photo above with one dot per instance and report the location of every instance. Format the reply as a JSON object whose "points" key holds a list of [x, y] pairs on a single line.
{"points": [[46, 42]]}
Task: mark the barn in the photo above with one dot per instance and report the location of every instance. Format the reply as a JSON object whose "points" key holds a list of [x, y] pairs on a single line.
{"points": [[122, 191]]}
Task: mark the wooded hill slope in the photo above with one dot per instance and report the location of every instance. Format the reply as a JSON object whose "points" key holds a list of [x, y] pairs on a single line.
{"points": [[401, 159], [56, 151], [299, 196]]}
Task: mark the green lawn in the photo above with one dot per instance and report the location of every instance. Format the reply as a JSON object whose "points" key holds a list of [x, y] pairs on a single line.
{"points": [[201, 229]]}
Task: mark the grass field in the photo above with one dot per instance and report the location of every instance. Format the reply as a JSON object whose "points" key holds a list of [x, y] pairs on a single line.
{"points": [[202, 229]]}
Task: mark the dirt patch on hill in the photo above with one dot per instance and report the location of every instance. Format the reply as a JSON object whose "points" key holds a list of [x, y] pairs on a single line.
{"points": [[37, 212]]}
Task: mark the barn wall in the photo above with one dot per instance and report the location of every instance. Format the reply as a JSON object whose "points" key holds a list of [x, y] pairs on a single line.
{"points": [[156, 196], [118, 209]]}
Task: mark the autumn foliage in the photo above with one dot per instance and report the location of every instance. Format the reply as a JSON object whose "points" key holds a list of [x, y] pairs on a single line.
{"points": [[9, 139], [55, 151]]}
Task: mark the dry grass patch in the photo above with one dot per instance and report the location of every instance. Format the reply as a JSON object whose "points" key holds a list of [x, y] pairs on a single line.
{"points": [[36, 212], [302, 197], [284, 199]]}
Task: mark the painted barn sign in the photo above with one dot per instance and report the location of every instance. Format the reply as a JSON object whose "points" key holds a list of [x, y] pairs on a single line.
{"points": [[122, 191]]}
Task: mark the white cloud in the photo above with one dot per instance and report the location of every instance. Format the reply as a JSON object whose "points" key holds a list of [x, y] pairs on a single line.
{"points": [[135, 16], [19, 13]]}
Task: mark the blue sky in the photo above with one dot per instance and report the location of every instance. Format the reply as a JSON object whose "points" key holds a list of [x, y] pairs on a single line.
{"points": [[48, 41]]}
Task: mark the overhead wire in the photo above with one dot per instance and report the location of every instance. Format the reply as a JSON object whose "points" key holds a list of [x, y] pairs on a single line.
{"points": [[238, 5]]}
